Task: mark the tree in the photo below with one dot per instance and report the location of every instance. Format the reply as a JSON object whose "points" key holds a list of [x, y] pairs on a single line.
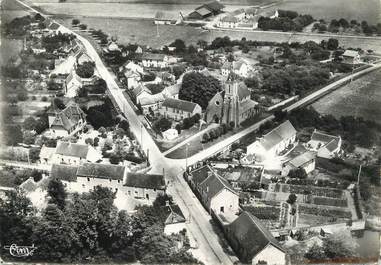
{"points": [[179, 45], [115, 159], [22, 95], [85, 70], [57, 194], [75, 22], [99, 86], [199, 88], [83, 26], [298, 173], [332, 44], [162, 125], [205, 138], [315, 253], [29, 123], [291, 198], [339, 245]]}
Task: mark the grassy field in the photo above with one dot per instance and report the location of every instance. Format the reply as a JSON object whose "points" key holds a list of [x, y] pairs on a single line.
{"points": [[361, 98]]}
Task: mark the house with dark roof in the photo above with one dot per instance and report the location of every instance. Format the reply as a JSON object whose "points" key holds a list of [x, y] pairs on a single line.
{"points": [[84, 177], [274, 142], [305, 161], [75, 154], [167, 18], [154, 60], [178, 109], [233, 104], [174, 219], [144, 186], [253, 243], [66, 122], [215, 192], [206, 10], [326, 145]]}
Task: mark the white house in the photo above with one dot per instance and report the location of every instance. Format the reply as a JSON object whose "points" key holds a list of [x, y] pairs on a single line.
{"points": [[253, 243], [63, 66], [179, 109], [305, 160], [154, 60], [228, 21], [82, 57], [75, 154], [241, 68], [250, 12], [274, 142], [351, 57], [131, 66], [66, 122], [144, 186], [172, 91], [72, 84], [133, 79], [170, 134], [167, 18], [327, 146], [215, 192], [85, 177], [174, 220], [151, 103], [46, 154]]}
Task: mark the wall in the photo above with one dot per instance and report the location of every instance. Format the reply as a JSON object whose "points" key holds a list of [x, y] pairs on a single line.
{"points": [[140, 193], [226, 199], [174, 228]]}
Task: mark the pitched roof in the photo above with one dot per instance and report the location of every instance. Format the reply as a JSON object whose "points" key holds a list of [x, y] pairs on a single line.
{"points": [[320, 136], [140, 89], [29, 185], [179, 104], [173, 89], [237, 12], [237, 64], [214, 184], [251, 10], [227, 65], [54, 26], [69, 117], [350, 53], [200, 174], [64, 172], [252, 236], [332, 145], [152, 99], [213, 6], [103, 171], [161, 15], [146, 181], [72, 149], [153, 56], [47, 152], [302, 159], [203, 11], [230, 19], [282, 132], [173, 214], [73, 76]]}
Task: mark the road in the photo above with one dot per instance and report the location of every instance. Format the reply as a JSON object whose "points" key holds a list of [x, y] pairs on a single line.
{"points": [[209, 248]]}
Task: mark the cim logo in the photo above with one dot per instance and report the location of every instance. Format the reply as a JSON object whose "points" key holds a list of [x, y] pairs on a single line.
{"points": [[21, 251]]}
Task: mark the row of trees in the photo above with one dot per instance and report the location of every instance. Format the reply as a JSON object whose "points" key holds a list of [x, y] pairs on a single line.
{"points": [[88, 228], [217, 132], [285, 23]]}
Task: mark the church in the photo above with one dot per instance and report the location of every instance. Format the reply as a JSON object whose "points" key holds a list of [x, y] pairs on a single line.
{"points": [[232, 104]]}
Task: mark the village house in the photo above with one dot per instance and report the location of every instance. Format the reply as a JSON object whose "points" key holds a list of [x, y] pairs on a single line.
{"points": [[63, 66], [152, 103], [204, 11], [240, 68], [269, 13], [228, 21], [215, 193], [174, 220], [145, 186], [274, 142], [72, 84], [167, 18], [253, 243], [178, 109], [154, 60], [250, 12], [133, 79], [82, 57], [85, 177], [66, 122], [75, 154], [172, 91], [231, 105], [305, 161], [327, 146], [46, 154], [351, 57]]}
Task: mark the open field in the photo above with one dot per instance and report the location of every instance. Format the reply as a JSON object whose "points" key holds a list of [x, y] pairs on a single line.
{"points": [[361, 98], [9, 49]]}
